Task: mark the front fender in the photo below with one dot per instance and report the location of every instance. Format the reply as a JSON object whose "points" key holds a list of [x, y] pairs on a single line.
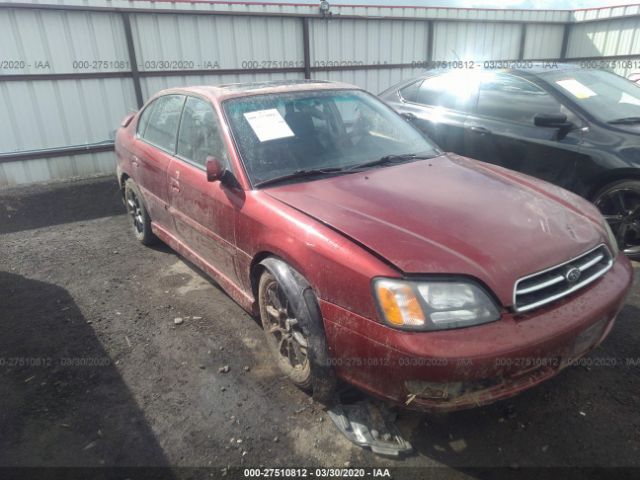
{"points": [[307, 311]]}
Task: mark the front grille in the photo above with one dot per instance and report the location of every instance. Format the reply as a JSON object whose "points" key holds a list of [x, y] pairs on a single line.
{"points": [[554, 283]]}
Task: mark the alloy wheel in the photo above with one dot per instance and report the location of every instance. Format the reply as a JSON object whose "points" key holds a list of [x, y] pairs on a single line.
{"points": [[135, 210], [284, 332], [621, 208]]}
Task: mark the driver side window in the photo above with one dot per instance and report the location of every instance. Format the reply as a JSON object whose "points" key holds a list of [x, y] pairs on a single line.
{"points": [[200, 135], [514, 99]]}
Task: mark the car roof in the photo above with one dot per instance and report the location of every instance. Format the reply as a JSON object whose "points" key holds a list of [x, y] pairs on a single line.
{"points": [[222, 92], [524, 66], [543, 67], [537, 68]]}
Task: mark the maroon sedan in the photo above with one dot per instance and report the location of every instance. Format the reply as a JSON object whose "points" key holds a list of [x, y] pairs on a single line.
{"points": [[425, 278]]}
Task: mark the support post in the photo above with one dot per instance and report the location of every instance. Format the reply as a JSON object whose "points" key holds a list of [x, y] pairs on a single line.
{"points": [[565, 41], [305, 48], [431, 34], [523, 41], [133, 63]]}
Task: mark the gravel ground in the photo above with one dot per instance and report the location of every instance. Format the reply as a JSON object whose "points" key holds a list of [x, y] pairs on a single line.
{"points": [[95, 371]]}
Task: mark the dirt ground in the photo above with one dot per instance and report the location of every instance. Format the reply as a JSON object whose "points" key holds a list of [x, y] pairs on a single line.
{"points": [[95, 372]]}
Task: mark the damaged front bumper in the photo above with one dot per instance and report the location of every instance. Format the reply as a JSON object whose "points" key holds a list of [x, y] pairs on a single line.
{"points": [[370, 425], [468, 367]]}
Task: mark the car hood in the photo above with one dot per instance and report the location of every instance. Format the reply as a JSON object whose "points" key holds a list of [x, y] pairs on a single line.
{"points": [[453, 215]]}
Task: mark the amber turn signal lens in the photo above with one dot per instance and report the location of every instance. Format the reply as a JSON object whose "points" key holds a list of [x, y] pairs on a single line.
{"points": [[399, 303]]}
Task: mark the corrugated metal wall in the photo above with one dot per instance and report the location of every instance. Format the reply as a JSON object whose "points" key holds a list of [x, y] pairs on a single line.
{"points": [[229, 41], [476, 41], [617, 37], [372, 47], [543, 41], [367, 42], [42, 113]]}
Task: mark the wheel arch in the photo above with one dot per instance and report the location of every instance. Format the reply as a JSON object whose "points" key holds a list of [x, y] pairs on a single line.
{"points": [[305, 302], [257, 267], [122, 178], [612, 176], [255, 270]]}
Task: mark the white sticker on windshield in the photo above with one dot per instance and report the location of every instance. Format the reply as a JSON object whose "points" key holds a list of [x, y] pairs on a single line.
{"points": [[576, 88], [268, 124]]}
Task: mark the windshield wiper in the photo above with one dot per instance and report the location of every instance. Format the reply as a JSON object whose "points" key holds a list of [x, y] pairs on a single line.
{"points": [[299, 174], [625, 120], [388, 159]]}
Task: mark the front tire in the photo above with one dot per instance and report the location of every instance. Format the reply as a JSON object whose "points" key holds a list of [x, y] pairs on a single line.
{"points": [[619, 203], [285, 335], [140, 219], [294, 329]]}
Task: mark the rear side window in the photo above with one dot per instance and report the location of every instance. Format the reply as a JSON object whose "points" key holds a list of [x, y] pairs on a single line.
{"points": [[199, 135], [514, 99], [143, 121], [410, 92], [162, 129], [452, 90]]}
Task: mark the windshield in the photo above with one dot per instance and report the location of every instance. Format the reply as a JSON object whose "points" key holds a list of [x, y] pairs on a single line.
{"points": [[603, 94], [280, 134]]}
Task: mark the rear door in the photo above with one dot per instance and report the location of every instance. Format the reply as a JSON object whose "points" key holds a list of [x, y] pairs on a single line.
{"points": [[502, 130], [204, 212], [438, 105], [154, 148]]}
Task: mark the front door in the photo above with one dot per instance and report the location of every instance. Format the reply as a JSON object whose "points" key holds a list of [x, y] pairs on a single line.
{"points": [[502, 130]]}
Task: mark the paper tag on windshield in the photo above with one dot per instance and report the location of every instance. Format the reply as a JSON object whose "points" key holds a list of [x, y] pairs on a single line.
{"points": [[576, 88], [268, 124]]}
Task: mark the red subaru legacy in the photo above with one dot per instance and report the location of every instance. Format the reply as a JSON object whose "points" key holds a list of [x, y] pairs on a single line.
{"points": [[428, 279]]}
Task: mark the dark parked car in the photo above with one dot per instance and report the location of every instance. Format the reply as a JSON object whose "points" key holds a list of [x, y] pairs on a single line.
{"points": [[577, 128], [424, 278]]}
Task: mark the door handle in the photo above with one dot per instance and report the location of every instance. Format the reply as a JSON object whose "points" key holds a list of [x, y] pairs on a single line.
{"points": [[134, 160], [480, 130], [408, 116], [175, 186]]}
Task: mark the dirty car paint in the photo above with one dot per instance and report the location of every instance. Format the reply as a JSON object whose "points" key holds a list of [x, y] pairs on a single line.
{"points": [[444, 216]]}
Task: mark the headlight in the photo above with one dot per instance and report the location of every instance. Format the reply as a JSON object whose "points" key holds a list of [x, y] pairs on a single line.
{"points": [[433, 305], [613, 242]]}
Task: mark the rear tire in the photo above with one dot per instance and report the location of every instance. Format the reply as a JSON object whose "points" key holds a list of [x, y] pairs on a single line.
{"points": [[138, 214], [619, 203]]}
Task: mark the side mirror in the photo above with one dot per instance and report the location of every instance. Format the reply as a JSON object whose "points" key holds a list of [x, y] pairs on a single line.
{"points": [[214, 168], [553, 120]]}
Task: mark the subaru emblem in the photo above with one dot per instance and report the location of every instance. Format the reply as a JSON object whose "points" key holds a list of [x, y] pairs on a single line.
{"points": [[572, 275]]}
